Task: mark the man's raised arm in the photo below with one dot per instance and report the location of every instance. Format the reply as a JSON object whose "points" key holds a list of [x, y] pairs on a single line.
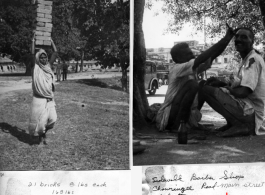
{"points": [[215, 50]]}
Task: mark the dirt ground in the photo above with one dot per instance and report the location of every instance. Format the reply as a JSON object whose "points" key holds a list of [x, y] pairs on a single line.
{"points": [[92, 131], [203, 147]]}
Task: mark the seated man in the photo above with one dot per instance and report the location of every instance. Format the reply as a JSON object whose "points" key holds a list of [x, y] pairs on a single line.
{"points": [[242, 103], [183, 86]]}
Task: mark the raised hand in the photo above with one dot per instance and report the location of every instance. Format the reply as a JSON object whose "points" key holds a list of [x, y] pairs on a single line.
{"points": [[230, 32]]}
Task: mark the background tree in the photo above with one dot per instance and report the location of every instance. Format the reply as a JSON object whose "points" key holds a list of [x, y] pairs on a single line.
{"points": [[66, 36], [105, 27], [235, 12], [140, 104], [17, 20]]}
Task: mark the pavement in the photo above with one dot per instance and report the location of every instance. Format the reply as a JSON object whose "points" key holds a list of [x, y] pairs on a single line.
{"points": [[26, 82], [204, 146]]}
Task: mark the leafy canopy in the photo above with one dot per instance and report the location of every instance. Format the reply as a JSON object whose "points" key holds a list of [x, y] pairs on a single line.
{"points": [[99, 27], [105, 27], [16, 24], [237, 13]]}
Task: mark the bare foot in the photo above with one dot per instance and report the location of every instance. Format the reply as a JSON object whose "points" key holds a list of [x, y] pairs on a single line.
{"points": [[223, 128], [235, 131]]}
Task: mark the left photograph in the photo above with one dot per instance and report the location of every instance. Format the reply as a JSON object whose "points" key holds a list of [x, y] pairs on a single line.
{"points": [[64, 85]]}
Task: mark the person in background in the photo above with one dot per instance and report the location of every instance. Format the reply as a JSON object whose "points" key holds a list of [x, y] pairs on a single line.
{"points": [[65, 70], [43, 113], [59, 71]]}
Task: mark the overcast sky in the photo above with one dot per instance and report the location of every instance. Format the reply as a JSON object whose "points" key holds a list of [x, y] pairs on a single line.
{"points": [[154, 26]]}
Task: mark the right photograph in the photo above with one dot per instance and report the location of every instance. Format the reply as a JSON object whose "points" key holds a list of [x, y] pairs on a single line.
{"points": [[198, 82]]}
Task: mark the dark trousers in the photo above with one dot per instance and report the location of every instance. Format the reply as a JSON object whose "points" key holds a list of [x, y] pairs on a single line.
{"points": [[181, 105], [64, 75], [58, 73]]}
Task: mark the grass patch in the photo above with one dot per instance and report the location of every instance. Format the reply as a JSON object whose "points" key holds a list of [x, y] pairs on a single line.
{"points": [[92, 131]]}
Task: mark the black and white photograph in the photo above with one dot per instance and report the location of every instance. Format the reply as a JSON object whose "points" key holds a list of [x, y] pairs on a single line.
{"points": [[130, 97], [198, 82], [64, 85]]}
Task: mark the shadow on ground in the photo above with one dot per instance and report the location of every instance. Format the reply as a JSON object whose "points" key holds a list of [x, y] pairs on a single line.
{"points": [[20, 134], [156, 95], [99, 83], [13, 74], [204, 146]]}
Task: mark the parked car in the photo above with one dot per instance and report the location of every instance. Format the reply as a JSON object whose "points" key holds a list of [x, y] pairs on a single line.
{"points": [[162, 73], [211, 73], [150, 78], [225, 72]]}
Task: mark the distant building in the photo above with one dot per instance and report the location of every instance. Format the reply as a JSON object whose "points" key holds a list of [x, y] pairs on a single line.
{"points": [[163, 54], [158, 54], [191, 43]]}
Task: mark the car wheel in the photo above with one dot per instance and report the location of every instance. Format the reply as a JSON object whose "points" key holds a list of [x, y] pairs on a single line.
{"points": [[153, 89]]}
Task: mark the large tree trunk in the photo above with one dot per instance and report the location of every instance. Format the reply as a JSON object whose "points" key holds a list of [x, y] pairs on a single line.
{"points": [[76, 67], [27, 60], [140, 104]]}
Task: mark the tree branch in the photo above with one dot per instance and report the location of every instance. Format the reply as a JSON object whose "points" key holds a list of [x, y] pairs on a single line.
{"points": [[253, 2], [203, 11], [235, 13]]}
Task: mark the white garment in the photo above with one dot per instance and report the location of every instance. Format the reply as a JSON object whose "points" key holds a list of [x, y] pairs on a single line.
{"points": [[178, 76], [43, 114], [252, 75]]}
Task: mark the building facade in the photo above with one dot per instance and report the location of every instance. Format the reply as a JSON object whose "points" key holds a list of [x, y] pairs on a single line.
{"points": [[163, 54]]}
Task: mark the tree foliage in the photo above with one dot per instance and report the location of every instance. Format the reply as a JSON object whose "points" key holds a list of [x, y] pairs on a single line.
{"points": [[100, 28], [237, 13], [17, 19], [66, 36], [105, 26]]}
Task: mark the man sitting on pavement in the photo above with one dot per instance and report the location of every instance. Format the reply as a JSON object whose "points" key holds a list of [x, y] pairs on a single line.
{"points": [[242, 103], [183, 86]]}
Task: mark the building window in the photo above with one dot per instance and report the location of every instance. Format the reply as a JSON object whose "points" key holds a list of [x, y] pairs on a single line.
{"points": [[225, 60]]}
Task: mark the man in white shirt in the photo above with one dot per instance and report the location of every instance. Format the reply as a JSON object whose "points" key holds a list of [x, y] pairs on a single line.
{"points": [[183, 86], [242, 103]]}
